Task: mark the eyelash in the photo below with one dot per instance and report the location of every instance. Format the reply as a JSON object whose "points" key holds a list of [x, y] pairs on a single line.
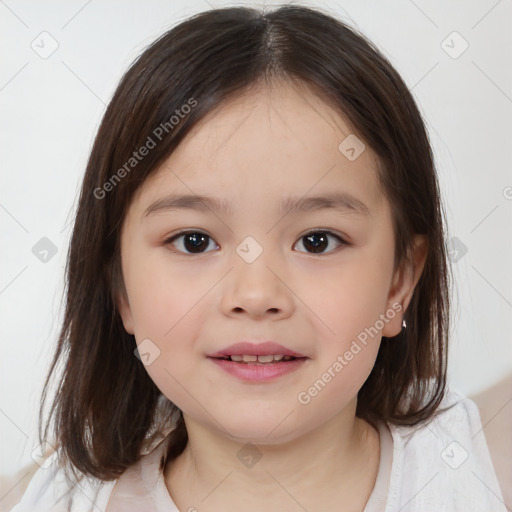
{"points": [[172, 238]]}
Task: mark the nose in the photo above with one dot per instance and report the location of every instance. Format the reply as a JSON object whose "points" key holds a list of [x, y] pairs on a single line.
{"points": [[257, 290]]}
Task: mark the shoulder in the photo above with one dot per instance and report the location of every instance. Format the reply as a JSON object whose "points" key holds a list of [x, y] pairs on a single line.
{"points": [[50, 491], [444, 464]]}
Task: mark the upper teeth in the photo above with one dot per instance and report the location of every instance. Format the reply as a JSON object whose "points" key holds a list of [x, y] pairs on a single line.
{"points": [[260, 359]]}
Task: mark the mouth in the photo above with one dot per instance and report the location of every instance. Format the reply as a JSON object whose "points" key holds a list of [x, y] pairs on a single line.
{"points": [[261, 359], [258, 362], [259, 368], [248, 352]]}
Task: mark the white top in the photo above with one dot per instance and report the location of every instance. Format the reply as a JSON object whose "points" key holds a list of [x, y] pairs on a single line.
{"points": [[441, 466]]}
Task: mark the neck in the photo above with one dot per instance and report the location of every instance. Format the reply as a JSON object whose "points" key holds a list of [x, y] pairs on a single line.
{"points": [[337, 461]]}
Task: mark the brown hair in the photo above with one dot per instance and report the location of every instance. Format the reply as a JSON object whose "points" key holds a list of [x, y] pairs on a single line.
{"points": [[105, 402]]}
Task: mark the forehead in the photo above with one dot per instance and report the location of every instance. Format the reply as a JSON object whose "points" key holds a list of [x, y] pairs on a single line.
{"points": [[278, 141]]}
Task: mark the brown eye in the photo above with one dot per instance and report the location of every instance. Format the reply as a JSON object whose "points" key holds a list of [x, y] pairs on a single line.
{"points": [[192, 242], [316, 242]]}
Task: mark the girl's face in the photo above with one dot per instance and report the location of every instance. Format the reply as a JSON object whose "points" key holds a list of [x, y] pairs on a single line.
{"points": [[257, 271]]}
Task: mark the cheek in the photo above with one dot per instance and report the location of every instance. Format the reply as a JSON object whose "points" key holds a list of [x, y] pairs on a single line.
{"points": [[348, 297], [168, 305], [162, 296], [168, 309], [348, 302]]}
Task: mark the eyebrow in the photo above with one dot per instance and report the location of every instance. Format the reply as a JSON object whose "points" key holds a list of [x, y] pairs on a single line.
{"points": [[340, 201]]}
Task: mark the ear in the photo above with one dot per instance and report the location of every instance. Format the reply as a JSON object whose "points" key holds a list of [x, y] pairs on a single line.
{"points": [[125, 311], [404, 281]]}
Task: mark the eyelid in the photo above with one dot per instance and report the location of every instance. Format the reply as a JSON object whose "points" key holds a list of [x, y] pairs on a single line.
{"points": [[340, 237], [327, 231], [170, 238]]}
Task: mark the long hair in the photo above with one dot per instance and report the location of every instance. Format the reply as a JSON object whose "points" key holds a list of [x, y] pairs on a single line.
{"points": [[106, 404]]}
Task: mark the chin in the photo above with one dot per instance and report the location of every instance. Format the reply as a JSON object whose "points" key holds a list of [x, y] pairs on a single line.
{"points": [[255, 428]]}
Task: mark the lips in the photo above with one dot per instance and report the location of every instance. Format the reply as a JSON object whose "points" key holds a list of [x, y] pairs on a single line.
{"points": [[246, 348], [260, 368]]}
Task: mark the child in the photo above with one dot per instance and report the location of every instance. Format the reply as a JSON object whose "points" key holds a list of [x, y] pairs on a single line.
{"points": [[258, 289]]}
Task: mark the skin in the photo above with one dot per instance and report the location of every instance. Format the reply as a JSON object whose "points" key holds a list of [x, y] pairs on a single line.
{"points": [[252, 152]]}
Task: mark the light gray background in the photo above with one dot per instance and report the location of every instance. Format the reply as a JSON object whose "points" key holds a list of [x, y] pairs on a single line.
{"points": [[52, 107]]}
